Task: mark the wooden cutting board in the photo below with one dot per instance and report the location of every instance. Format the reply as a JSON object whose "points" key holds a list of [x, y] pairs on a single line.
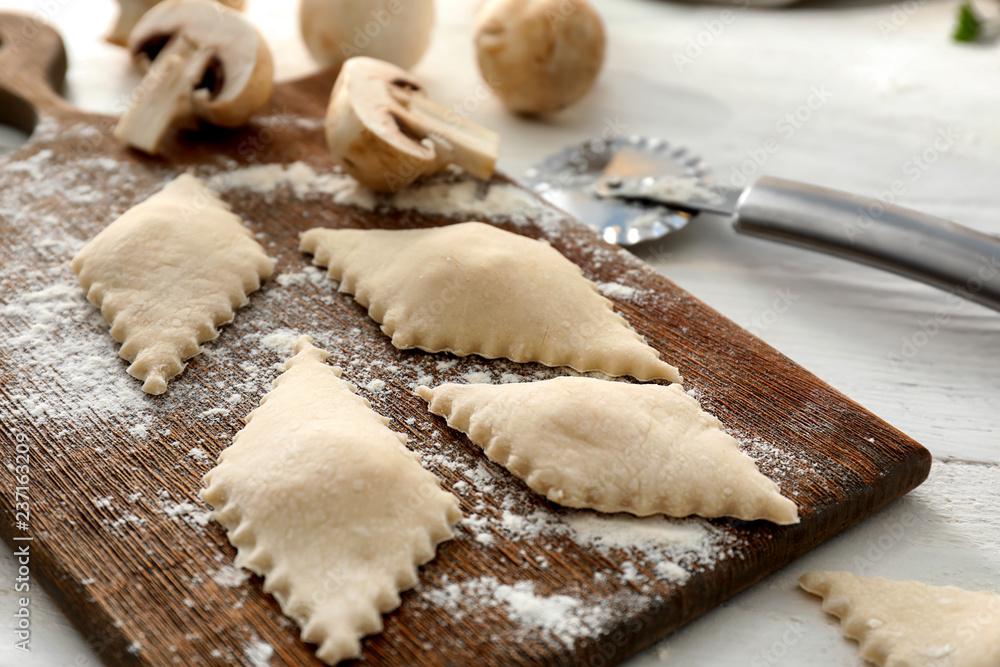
{"points": [[117, 532]]}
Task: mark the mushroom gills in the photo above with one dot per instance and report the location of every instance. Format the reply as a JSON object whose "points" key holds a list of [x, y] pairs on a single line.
{"points": [[178, 68], [456, 140]]}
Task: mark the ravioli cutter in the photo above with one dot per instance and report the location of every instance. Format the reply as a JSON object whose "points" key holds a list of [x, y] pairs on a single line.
{"points": [[635, 190]]}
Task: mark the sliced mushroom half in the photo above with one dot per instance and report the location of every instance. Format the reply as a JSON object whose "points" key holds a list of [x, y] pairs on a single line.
{"points": [[205, 62], [383, 131]]}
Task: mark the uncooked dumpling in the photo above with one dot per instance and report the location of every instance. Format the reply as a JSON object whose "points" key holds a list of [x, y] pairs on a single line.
{"points": [[167, 273], [471, 288], [326, 503], [613, 447], [910, 624]]}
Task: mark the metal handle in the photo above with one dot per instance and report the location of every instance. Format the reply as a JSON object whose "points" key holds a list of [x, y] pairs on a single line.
{"points": [[912, 244]]}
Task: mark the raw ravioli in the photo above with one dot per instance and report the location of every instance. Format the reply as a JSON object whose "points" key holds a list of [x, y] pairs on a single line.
{"points": [[167, 273], [471, 288], [613, 447], [910, 624], [326, 503]]}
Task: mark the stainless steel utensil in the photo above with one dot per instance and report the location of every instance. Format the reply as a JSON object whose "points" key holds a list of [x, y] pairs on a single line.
{"points": [[637, 189]]}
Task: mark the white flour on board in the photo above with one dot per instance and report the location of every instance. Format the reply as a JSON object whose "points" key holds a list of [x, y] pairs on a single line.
{"points": [[257, 653], [566, 618], [66, 343], [468, 199], [618, 291], [229, 576]]}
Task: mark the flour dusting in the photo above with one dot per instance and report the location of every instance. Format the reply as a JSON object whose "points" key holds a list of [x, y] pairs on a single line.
{"points": [[66, 342], [229, 576], [439, 195], [562, 616], [281, 341], [618, 291], [258, 653]]}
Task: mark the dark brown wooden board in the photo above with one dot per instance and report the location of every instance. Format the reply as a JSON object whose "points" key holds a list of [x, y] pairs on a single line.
{"points": [[111, 538]]}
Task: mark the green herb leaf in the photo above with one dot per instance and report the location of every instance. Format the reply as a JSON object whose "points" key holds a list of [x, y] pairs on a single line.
{"points": [[969, 24]]}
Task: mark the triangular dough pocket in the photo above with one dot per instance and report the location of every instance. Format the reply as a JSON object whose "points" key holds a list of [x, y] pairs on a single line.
{"points": [[167, 273], [910, 624], [471, 288], [321, 499], [613, 447]]}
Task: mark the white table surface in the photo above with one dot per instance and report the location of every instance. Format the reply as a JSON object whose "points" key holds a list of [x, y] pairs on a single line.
{"points": [[894, 80]]}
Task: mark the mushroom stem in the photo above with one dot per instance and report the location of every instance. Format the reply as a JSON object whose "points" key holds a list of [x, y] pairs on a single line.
{"points": [[164, 96], [456, 139], [128, 15]]}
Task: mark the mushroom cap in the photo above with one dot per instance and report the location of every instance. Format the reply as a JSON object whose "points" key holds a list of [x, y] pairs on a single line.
{"points": [[239, 76], [397, 31], [131, 11], [370, 133], [539, 56]]}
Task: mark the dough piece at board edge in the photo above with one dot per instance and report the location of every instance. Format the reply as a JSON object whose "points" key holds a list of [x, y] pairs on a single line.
{"points": [[327, 504], [168, 273], [613, 447], [471, 288], [911, 624]]}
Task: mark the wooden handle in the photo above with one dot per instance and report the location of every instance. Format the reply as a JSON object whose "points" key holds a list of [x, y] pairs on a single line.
{"points": [[32, 69]]}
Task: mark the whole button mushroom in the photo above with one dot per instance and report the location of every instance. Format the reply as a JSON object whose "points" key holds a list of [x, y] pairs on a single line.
{"points": [[539, 56], [383, 131], [130, 11], [205, 62], [397, 31]]}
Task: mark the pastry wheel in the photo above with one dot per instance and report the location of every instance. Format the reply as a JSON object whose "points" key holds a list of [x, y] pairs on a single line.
{"points": [[636, 189]]}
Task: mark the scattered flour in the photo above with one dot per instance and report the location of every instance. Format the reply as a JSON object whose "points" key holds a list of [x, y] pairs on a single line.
{"points": [[439, 195], [281, 341], [565, 617], [478, 377], [309, 275], [187, 512], [286, 279], [258, 653], [621, 531], [299, 176], [376, 385], [229, 576], [618, 291], [198, 454], [32, 165], [66, 342]]}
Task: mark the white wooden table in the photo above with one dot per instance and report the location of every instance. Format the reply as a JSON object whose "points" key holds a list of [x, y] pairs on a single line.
{"points": [[893, 81]]}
